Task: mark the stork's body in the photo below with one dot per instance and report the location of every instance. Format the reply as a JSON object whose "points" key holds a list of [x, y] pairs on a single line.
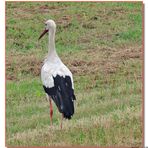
{"points": [[56, 78]]}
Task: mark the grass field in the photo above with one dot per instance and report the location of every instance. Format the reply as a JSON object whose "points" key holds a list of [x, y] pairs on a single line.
{"points": [[101, 43]]}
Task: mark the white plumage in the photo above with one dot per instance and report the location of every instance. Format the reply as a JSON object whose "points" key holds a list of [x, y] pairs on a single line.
{"points": [[53, 68], [56, 77]]}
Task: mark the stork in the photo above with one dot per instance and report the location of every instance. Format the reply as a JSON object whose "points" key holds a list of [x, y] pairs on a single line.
{"points": [[56, 78]]}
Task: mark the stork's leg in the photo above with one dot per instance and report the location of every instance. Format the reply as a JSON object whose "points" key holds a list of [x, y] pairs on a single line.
{"points": [[61, 120], [50, 108], [51, 111]]}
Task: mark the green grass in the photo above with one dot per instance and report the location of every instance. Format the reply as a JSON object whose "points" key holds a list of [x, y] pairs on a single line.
{"points": [[101, 44]]}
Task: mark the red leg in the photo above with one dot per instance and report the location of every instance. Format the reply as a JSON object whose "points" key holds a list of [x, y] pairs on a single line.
{"points": [[51, 111], [61, 120]]}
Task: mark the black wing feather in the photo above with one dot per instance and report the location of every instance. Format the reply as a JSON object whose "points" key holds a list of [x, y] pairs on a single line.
{"points": [[63, 95]]}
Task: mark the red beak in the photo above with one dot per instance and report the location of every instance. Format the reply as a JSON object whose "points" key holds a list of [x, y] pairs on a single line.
{"points": [[43, 33]]}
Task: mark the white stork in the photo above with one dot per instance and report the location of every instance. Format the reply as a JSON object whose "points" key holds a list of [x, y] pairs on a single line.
{"points": [[56, 78]]}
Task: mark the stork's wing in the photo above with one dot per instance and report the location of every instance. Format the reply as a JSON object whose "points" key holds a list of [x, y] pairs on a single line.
{"points": [[50, 71], [58, 84], [63, 95]]}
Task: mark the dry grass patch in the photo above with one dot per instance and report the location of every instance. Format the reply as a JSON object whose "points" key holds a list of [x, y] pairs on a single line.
{"points": [[22, 64], [100, 60], [91, 61]]}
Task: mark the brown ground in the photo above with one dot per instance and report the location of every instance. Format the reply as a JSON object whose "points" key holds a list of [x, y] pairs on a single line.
{"points": [[90, 61]]}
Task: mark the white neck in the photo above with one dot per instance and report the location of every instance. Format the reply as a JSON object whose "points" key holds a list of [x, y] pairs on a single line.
{"points": [[51, 43]]}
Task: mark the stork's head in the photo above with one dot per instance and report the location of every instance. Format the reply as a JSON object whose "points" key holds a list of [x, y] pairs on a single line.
{"points": [[49, 25]]}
